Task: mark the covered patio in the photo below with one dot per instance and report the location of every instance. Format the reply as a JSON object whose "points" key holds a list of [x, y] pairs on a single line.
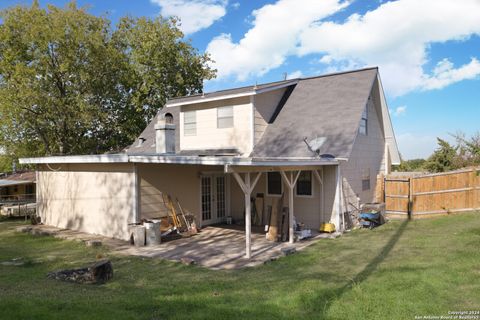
{"points": [[215, 247], [247, 178], [196, 185]]}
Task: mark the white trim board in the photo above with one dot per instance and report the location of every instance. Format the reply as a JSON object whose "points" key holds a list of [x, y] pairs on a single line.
{"points": [[202, 98]]}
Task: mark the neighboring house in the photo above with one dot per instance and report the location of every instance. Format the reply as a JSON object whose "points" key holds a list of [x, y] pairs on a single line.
{"points": [[214, 151], [17, 189]]}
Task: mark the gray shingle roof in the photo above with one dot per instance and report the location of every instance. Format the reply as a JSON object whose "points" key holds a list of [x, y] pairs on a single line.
{"points": [[148, 135], [327, 106], [230, 91]]}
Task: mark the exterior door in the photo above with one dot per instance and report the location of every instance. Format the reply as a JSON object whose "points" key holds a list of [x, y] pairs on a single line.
{"points": [[213, 198]]}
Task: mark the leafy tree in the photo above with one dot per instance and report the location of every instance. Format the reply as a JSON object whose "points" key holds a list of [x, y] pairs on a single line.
{"points": [[160, 65], [70, 84], [411, 165], [443, 159], [468, 149]]}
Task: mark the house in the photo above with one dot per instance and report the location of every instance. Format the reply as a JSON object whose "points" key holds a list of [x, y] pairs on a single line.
{"points": [[319, 141], [16, 189]]}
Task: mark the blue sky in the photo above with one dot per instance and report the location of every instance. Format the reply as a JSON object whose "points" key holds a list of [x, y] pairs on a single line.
{"points": [[428, 51]]}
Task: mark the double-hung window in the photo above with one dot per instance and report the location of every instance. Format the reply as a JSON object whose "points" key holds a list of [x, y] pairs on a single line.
{"points": [[274, 184], [366, 179], [190, 123], [225, 117], [363, 123], [304, 184]]}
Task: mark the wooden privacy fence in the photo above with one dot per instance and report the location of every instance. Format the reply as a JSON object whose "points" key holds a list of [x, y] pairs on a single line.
{"points": [[432, 194]]}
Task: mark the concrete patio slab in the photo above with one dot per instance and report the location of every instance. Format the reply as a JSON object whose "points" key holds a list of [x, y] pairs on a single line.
{"points": [[214, 247]]}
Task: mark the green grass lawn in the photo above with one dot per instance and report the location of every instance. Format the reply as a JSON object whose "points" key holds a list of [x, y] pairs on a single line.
{"points": [[398, 271]]}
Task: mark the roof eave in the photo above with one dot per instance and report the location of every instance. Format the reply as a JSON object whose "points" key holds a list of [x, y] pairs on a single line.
{"points": [[202, 99], [103, 158]]}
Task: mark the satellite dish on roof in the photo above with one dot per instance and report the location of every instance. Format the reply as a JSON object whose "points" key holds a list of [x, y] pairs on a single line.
{"points": [[314, 145]]}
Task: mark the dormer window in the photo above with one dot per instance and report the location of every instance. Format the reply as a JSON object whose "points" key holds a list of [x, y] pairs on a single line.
{"points": [[363, 123], [225, 117], [190, 123]]}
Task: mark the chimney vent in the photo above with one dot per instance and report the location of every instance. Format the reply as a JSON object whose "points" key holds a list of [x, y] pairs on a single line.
{"points": [[164, 136]]}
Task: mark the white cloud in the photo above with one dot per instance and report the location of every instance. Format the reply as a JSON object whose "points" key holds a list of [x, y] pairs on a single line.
{"points": [[445, 74], [295, 74], [194, 14], [400, 111], [396, 36], [236, 5], [413, 146], [326, 59], [272, 38]]}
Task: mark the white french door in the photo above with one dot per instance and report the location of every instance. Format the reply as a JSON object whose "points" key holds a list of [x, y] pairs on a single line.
{"points": [[213, 198]]}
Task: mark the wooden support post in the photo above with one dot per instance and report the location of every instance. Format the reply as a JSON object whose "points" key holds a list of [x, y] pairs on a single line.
{"points": [[248, 219], [247, 188], [290, 211], [338, 200], [322, 194], [290, 181]]}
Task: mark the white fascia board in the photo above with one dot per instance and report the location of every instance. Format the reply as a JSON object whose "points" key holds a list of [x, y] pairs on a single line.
{"points": [[202, 99], [280, 86], [179, 159], [102, 158], [236, 161], [388, 127], [231, 161]]}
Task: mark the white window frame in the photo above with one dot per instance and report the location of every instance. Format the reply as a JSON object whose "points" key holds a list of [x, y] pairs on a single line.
{"points": [[266, 186], [366, 176], [185, 123], [364, 120], [312, 190], [225, 109]]}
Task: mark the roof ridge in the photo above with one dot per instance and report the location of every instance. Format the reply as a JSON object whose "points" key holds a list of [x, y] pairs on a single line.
{"points": [[276, 82], [237, 88], [339, 73]]}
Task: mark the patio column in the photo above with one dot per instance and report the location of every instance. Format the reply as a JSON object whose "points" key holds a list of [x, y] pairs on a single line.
{"points": [[322, 194], [338, 199], [290, 181], [247, 188]]}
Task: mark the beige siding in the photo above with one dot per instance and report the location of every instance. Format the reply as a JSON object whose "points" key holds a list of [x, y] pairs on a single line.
{"points": [[208, 136], [265, 106], [367, 154], [93, 198], [306, 210], [178, 181]]}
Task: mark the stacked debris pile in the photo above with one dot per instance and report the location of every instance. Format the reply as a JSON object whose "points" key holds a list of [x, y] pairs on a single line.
{"points": [[175, 224]]}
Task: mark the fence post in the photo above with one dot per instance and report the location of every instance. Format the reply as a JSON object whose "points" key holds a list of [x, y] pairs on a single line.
{"points": [[385, 190], [410, 198], [471, 184]]}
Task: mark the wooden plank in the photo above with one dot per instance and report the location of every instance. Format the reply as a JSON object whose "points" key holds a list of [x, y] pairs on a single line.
{"points": [[397, 196], [446, 211], [396, 212], [396, 179], [443, 191]]}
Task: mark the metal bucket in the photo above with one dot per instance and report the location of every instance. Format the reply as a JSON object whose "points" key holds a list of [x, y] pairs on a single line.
{"points": [[138, 233], [152, 233]]}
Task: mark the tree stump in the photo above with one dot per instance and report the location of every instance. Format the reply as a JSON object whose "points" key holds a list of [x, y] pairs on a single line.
{"points": [[97, 273]]}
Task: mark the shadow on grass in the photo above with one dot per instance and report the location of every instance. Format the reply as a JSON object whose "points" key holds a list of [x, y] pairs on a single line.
{"points": [[328, 297]]}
